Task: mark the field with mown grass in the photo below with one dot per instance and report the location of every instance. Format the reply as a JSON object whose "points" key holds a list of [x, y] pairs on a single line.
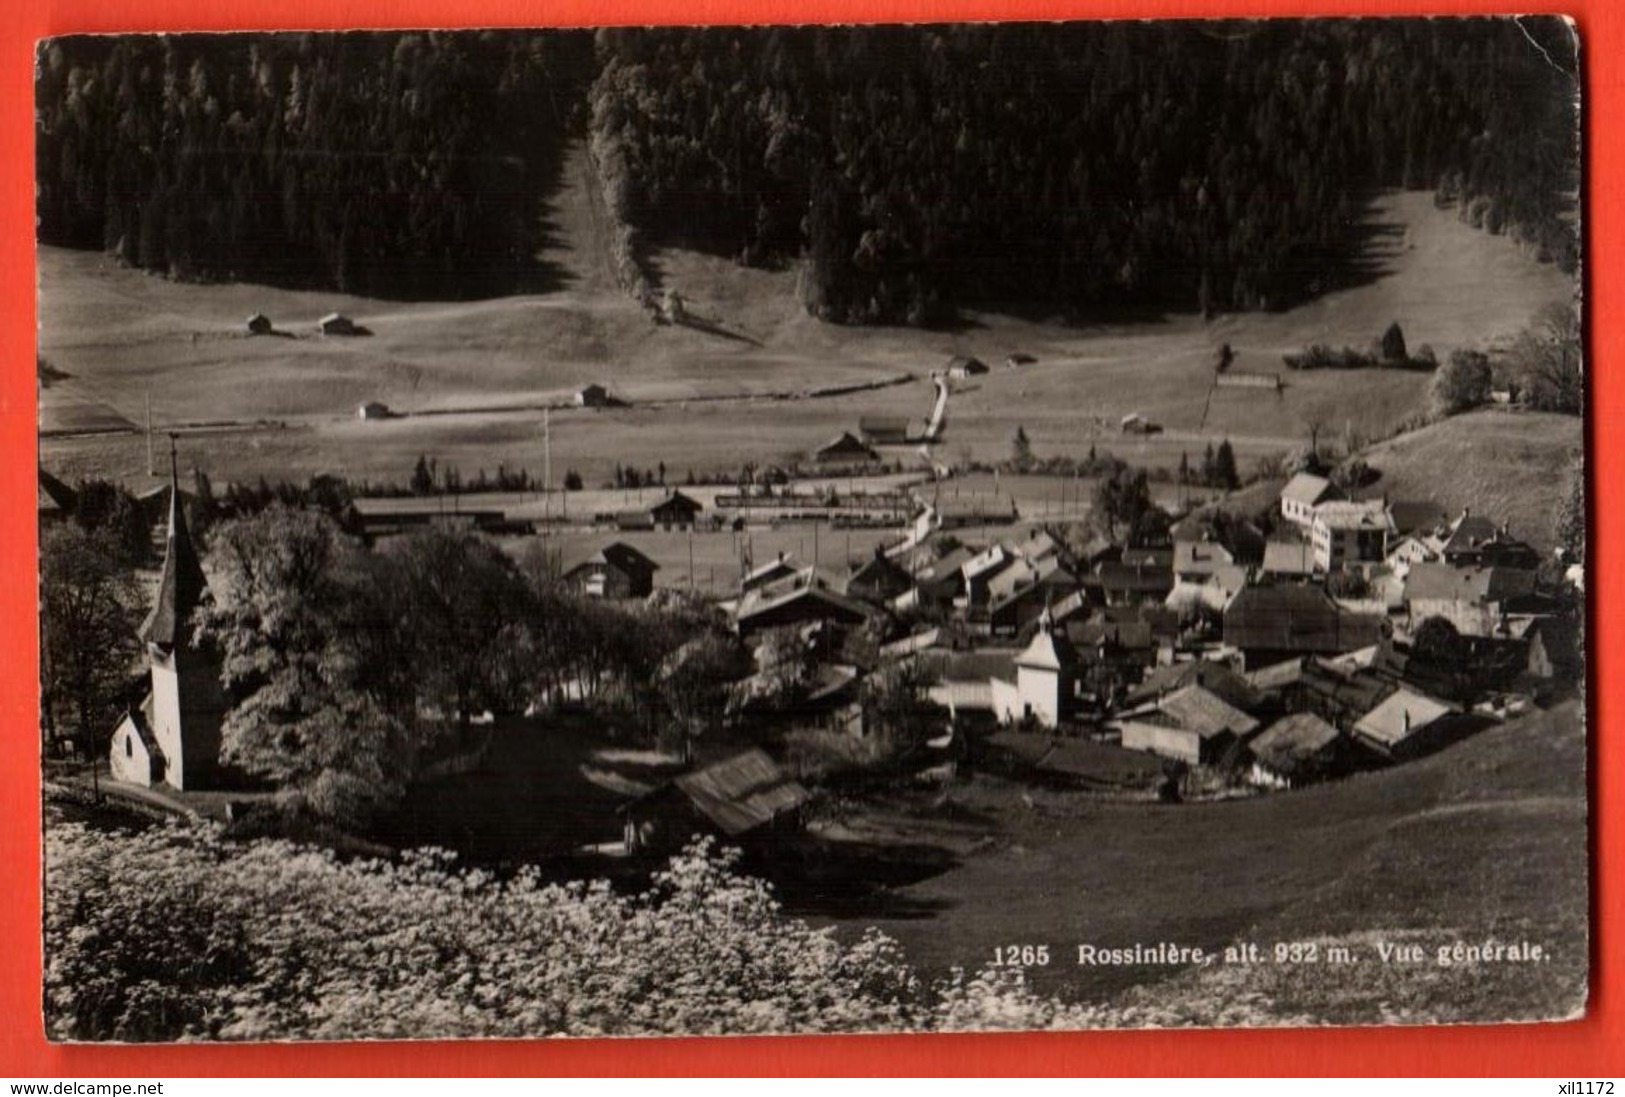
{"points": [[470, 377]]}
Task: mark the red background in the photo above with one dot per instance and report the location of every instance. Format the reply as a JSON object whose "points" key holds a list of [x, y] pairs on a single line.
{"points": [[1587, 1048]]}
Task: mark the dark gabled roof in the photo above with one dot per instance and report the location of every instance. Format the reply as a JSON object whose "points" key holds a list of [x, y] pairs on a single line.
{"points": [[678, 501], [1289, 558], [964, 363], [742, 793], [181, 587], [883, 424], [763, 602], [879, 570], [618, 555], [1147, 579], [1132, 635], [1475, 586], [1295, 617], [1293, 741], [141, 720], [1214, 677], [976, 666]]}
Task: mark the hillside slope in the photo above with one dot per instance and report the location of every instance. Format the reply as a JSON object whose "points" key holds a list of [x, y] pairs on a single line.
{"points": [[1508, 466], [1485, 838]]}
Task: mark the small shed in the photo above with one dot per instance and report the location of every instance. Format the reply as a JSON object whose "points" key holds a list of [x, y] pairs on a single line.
{"points": [[372, 409], [259, 324], [1136, 423], [592, 396], [962, 366], [336, 324], [744, 798], [1019, 359]]}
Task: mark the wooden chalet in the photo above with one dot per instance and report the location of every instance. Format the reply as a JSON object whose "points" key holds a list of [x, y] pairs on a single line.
{"points": [[745, 799], [615, 571]]}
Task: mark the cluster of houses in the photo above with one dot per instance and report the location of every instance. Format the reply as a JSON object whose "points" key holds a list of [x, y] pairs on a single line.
{"points": [[1284, 647], [1325, 635]]}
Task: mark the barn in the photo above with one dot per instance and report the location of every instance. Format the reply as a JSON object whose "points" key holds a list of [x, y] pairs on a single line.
{"points": [[844, 447], [675, 511], [592, 396], [259, 324]]}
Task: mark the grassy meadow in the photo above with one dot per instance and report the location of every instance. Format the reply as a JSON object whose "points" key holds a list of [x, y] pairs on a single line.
{"points": [[469, 378]]}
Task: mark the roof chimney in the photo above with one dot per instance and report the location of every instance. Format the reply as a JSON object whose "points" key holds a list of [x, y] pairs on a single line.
{"points": [[1406, 713]]}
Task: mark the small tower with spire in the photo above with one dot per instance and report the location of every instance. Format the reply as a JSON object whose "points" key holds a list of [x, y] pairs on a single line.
{"points": [[174, 736]]}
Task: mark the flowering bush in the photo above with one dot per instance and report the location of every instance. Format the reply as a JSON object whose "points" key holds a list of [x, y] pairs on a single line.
{"points": [[174, 933]]}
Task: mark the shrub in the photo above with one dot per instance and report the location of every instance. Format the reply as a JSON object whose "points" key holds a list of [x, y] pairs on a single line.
{"points": [[1461, 383]]}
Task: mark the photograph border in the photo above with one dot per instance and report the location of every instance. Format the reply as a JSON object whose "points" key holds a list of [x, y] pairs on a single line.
{"points": [[1591, 1047]]}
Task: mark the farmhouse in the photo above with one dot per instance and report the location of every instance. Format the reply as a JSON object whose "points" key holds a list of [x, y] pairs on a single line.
{"points": [[173, 736], [675, 511], [592, 396], [844, 447], [1274, 623], [1193, 725], [615, 571], [1302, 494], [883, 430], [811, 602], [1297, 750], [962, 366], [745, 798], [372, 410], [336, 324]]}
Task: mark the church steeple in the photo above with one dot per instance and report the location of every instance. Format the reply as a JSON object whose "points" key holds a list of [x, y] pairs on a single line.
{"points": [[182, 586]]}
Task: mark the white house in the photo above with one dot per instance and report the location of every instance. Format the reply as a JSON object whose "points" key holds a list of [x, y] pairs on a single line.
{"points": [[1302, 494]]}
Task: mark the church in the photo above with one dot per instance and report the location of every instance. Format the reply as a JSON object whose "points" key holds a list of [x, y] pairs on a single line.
{"points": [[173, 737]]}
